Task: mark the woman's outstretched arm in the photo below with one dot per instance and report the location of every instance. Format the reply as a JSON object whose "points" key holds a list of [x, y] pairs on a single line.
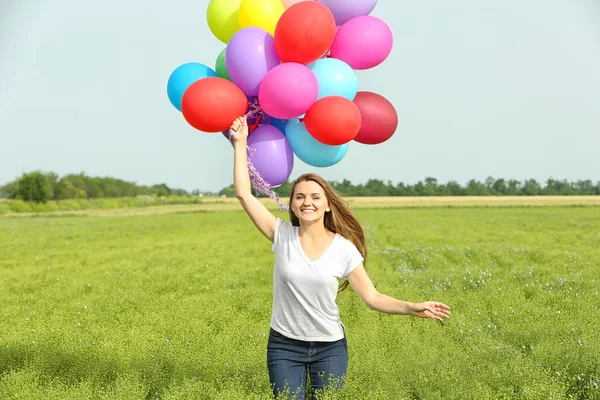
{"points": [[362, 285], [264, 220]]}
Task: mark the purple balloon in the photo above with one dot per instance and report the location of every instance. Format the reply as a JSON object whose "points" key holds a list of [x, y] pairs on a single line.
{"points": [[272, 157], [249, 56], [345, 10]]}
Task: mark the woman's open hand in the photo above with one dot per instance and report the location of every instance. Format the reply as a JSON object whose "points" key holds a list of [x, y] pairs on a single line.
{"points": [[432, 309]]}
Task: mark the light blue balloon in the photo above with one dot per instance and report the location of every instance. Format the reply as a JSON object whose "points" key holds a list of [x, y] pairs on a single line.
{"points": [[309, 149], [335, 77], [182, 77], [277, 123]]}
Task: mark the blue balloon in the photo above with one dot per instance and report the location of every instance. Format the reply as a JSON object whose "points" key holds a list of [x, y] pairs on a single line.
{"points": [[183, 77], [276, 122], [309, 149], [335, 77]]}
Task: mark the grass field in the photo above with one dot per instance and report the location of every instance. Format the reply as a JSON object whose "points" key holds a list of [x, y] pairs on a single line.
{"points": [[177, 305], [115, 207]]}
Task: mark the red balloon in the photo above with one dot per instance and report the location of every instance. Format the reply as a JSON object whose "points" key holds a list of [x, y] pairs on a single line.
{"points": [[305, 32], [333, 120], [212, 104], [379, 118]]}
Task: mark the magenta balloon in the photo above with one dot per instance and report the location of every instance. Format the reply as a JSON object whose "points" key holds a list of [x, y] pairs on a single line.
{"points": [[288, 91], [363, 42], [345, 10], [249, 56], [273, 157]]}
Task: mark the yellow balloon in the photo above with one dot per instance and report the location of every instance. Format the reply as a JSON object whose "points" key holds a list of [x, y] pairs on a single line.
{"points": [[222, 18], [260, 13]]}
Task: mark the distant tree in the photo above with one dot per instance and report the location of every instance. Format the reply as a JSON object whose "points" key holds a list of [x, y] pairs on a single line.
{"points": [[376, 187], [513, 188], [284, 190], [161, 190], [229, 191], [431, 186], [53, 179], [66, 190], [345, 187], [499, 188], [34, 186], [489, 185], [585, 187], [419, 189], [8, 191], [555, 187], [476, 188], [532, 188], [403, 189], [454, 189]]}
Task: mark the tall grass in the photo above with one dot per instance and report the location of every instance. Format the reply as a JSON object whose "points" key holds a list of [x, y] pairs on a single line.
{"points": [[20, 206], [178, 306]]}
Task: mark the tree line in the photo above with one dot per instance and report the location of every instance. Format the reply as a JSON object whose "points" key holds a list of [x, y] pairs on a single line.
{"points": [[42, 187], [431, 187]]}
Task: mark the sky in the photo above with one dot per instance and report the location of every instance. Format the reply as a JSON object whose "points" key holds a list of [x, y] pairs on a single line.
{"points": [[508, 89]]}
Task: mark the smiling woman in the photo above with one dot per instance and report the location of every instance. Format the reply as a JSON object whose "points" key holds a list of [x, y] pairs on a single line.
{"points": [[322, 245]]}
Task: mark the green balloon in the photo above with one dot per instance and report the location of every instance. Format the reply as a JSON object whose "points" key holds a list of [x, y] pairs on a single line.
{"points": [[220, 68]]}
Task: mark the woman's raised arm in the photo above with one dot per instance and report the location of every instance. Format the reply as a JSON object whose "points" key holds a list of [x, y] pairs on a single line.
{"points": [[264, 220]]}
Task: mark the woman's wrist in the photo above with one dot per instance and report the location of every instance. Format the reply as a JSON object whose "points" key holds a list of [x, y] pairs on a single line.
{"points": [[241, 142], [410, 307]]}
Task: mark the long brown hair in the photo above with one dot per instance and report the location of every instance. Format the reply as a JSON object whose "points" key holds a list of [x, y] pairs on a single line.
{"points": [[339, 220]]}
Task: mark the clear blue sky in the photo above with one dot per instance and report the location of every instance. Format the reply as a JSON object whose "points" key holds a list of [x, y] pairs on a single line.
{"points": [[483, 88]]}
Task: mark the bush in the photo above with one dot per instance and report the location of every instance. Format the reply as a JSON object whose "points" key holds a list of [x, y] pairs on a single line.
{"points": [[34, 186], [43, 207], [144, 200], [19, 206], [4, 208]]}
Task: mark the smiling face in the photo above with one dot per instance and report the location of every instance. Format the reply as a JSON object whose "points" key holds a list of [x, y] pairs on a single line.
{"points": [[309, 202]]}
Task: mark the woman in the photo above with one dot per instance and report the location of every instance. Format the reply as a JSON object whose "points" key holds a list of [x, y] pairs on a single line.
{"points": [[323, 243]]}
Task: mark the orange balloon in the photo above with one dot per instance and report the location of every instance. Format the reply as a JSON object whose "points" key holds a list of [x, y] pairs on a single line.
{"points": [[212, 104], [333, 120]]}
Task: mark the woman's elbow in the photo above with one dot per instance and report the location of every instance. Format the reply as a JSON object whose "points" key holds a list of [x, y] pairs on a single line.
{"points": [[371, 301]]}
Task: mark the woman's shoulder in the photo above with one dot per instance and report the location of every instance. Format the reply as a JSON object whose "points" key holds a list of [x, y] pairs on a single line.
{"points": [[284, 228], [345, 242], [282, 222]]}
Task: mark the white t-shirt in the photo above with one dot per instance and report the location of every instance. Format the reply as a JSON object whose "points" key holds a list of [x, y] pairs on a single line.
{"points": [[304, 291]]}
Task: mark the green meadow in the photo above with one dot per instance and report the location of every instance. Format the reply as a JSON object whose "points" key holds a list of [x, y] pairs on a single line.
{"points": [[177, 306]]}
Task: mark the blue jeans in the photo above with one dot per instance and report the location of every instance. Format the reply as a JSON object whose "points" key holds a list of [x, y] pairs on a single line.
{"points": [[290, 361]]}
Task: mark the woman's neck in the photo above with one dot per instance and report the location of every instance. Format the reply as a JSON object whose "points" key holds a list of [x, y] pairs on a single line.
{"points": [[315, 230]]}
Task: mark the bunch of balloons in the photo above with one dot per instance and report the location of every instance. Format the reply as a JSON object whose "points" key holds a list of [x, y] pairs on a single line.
{"points": [[289, 65]]}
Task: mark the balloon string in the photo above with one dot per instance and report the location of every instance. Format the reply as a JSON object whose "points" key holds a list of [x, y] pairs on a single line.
{"points": [[327, 54], [257, 181]]}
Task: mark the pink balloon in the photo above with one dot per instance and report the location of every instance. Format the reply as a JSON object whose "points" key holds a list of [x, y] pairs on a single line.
{"points": [[288, 3], [288, 91], [363, 42]]}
